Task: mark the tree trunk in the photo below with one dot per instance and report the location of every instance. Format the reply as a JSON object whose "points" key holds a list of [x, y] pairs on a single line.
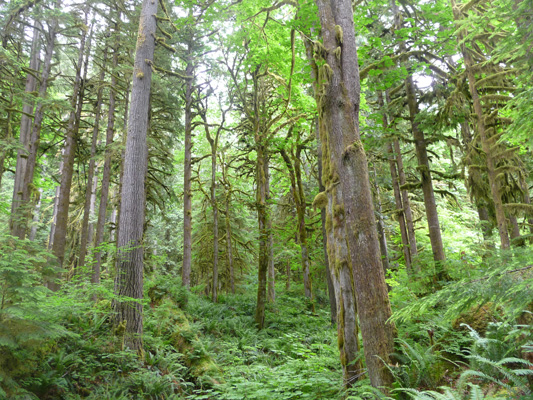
{"points": [[338, 106], [301, 211], [381, 227], [187, 168], [25, 128], [423, 165], [215, 219], [425, 176], [322, 189], [293, 167], [5, 153], [271, 269], [408, 214], [92, 164], [527, 200], [400, 214], [331, 288], [262, 217], [228, 243], [129, 278], [19, 226], [124, 138], [515, 232], [288, 275], [54, 212], [106, 175], [63, 202], [485, 145], [36, 216]]}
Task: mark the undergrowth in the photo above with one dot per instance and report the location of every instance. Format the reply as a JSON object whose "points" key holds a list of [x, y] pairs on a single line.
{"points": [[63, 346]]}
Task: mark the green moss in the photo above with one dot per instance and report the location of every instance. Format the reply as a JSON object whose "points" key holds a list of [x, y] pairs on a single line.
{"points": [[338, 210], [339, 35], [321, 200], [338, 52]]}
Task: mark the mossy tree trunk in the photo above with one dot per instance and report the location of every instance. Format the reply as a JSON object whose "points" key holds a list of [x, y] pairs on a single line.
{"points": [[187, 169], [19, 217], [430, 204], [85, 231], [25, 130], [382, 234], [262, 216], [213, 143], [322, 189], [129, 278], [492, 172], [271, 269], [338, 106], [106, 174], [69, 154], [331, 203], [292, 163], [408, 213], [400, 214]]}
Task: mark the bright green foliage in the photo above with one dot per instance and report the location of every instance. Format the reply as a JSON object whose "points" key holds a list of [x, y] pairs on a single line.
{"points": [[294, 357]]}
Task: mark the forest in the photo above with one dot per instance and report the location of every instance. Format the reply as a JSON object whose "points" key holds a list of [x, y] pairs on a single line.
{"points": [[254, 199]]}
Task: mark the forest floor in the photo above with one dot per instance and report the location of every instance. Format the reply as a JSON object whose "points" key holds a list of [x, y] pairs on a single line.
{"points": [[63, 346]]}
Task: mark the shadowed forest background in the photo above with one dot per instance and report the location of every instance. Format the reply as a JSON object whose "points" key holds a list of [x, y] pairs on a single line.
{"points": [[244, 199]]}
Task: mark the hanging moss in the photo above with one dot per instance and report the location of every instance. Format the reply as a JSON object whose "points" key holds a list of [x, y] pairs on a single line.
{"points": [[338, 52], [339, 34]]}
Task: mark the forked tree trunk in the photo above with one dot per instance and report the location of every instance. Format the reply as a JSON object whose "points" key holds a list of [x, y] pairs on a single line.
{"points": [[338, 106], [20, 217], [129, 278]]}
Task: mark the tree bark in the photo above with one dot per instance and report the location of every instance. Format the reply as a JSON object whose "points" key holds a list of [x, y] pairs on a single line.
{"points": [[36, 216], [25, 129], [331, 288], [19, 226], [106, 175], [381, 227], [92, 165], [229, 244], [271, 269], [425, 176], [408, 214], [338, 104], [485, 145], [187, 168], [214, 205], [400, 214], [292, 162], [129, 278], [63, 202], [262, 217]]}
